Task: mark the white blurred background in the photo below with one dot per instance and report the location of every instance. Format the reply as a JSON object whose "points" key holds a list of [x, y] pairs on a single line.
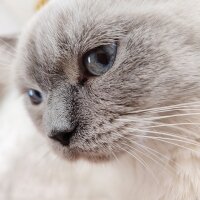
{"points": [[14, 14]]}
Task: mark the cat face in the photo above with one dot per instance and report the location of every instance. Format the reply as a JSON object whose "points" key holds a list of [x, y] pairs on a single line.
{"points": [[90, 70]]}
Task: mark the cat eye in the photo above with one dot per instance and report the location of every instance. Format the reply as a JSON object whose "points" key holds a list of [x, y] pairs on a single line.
{"points": [[99, 60], [35, 96]]}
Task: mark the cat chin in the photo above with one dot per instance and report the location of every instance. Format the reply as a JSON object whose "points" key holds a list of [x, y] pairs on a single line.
{"points": [[76, 154]]}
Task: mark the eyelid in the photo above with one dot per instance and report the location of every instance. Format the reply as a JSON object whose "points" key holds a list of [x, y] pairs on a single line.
{"points": [[107, 41]]}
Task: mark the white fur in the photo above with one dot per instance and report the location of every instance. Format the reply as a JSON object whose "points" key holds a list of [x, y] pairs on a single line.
{"points": [[29, 170]]}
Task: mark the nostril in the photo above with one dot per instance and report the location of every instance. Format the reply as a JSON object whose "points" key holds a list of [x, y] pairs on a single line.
{"points": [[64, 137]]}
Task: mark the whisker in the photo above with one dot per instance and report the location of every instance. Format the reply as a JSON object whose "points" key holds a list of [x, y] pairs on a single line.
{"points": [[183, 108], [176, 126], [189, 141], [168, 108], [6, 52], [157, 155], [114, 155], [7, 45], [171, 116], [151, 151], [156, 161], [171, 125], [46, 154], [157, 118], [165, 141], [141, 161]]}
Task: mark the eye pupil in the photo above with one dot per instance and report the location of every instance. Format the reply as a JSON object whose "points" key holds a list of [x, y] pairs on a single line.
{"points": [[35, 97], [102, 58]]}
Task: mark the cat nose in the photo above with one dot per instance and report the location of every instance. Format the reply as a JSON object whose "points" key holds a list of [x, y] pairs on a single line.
{"points": [[63, 137]]}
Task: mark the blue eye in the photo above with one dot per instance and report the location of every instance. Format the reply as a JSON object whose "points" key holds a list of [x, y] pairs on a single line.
{"points": [[99, 60], [35, 96]]}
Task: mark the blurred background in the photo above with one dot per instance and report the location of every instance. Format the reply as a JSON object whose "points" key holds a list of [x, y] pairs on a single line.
{"points": [[14, 14]]}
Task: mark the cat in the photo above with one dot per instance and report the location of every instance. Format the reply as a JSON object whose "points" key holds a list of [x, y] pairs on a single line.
{"points": [[113, 89]]}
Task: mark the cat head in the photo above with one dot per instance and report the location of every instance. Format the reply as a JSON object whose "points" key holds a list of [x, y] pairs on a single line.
{"points": [[94, 72]]}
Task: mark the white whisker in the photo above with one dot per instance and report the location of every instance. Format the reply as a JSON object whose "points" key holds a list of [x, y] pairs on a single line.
{"points": [[6, 44], [147, 156], [157, 118], [165, 141], [141, 161], [176, 126], [186, 140], [114, 155], [157, 155], [170, 107], [153, 151], [171, 125], [171, 116]]}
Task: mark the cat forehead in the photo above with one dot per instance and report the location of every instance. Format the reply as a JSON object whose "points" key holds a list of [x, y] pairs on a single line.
{"points": [[78, 24], [63, 33]]}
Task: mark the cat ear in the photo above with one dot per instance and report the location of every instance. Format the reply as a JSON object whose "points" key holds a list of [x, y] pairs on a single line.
{"points": [[7, 54]]}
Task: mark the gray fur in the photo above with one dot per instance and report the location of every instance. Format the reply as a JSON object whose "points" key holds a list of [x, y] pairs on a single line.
{"points": [[157, 65]]}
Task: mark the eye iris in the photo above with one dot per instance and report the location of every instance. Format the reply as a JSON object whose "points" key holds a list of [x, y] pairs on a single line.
{"points": [[99, 60], [35, 96]]}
